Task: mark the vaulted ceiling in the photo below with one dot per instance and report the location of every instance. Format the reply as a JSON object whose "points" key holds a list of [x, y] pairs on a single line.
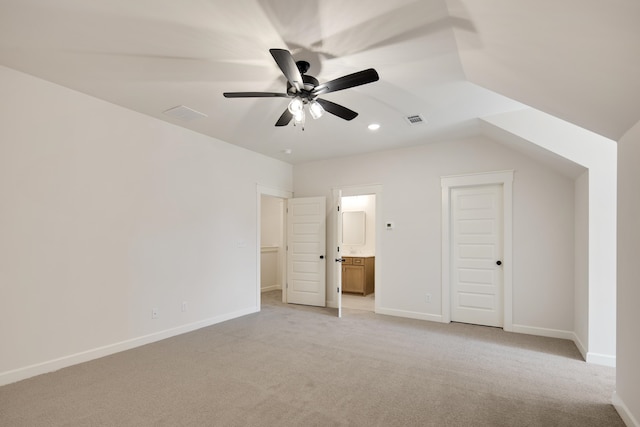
{"points": [[450, 62]]}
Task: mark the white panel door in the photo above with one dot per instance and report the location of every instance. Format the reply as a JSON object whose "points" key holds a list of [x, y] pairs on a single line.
{"points": [[477, 228], [306, 234]]}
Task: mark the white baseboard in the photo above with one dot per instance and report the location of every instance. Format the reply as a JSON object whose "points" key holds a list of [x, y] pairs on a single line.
{"points": [[544, 332], [270, 288], [623, 411], [19, 374], [589, 357], [581, 347], [601, 359], [410, 314]]}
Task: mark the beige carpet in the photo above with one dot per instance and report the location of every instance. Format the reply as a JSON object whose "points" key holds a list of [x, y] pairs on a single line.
{"points": [[302, 366]]}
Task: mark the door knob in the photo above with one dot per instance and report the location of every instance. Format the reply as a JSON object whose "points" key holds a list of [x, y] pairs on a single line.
{"points": [[339, 260], [498, 262]]}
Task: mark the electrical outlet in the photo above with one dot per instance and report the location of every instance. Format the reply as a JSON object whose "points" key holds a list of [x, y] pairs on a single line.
{"points": [[428, 298], [184, 306], [154, 313]]}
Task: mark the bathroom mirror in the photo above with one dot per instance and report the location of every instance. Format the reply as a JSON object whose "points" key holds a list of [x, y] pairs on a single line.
{"points": [[353, 229]]}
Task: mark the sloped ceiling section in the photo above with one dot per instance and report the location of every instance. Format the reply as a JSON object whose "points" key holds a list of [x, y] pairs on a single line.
{"points": [[578, 60], [450, 61]]}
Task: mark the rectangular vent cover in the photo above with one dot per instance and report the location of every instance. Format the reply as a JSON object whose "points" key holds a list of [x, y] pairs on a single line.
{"points": [[184, 113], [415, 119]]}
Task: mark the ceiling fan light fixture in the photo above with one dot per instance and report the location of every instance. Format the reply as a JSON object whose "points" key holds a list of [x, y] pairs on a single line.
{"points": [[316, 109], [295, 106], [298, 117]]}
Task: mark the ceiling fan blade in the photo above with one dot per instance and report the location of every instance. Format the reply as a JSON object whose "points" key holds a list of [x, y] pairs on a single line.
{"points": [[345, 82], [337, 110], [254, 95], [285, 118], [288, 66]]}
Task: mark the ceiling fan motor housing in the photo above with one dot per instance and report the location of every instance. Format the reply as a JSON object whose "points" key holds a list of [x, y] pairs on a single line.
{"points": [[309, 82]]}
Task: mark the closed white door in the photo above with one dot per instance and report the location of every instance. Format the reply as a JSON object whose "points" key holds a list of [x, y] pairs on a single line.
{"points": [[306, 260], [477, 280]]}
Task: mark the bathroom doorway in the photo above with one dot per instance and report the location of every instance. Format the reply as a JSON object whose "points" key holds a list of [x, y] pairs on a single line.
{"points": [[358, 249]]}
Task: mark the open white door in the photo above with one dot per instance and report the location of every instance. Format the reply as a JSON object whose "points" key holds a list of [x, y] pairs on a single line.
{"points": [[337, 211], [306, 246]]}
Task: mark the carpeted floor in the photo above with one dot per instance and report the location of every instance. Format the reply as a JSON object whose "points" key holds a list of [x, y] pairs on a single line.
{"points": [[302, 366]]}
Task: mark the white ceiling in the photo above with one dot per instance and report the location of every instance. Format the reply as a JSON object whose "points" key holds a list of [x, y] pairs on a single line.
{"points": [[450, 61]]}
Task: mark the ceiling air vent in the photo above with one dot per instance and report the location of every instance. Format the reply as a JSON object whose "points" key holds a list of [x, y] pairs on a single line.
{"points": [[415, 119], [184, 113]]}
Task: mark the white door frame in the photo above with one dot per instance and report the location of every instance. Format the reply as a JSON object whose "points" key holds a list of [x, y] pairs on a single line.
{"points": [[283, 194], [504, 178], [361, 190]]}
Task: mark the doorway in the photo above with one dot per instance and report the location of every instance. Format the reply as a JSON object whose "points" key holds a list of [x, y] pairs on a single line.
{"points": [[366, 252], [358, 252], [271, 237]]}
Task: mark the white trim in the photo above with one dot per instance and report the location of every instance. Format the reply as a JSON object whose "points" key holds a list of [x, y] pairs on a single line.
{"points": [[601, 359], [15, 375], [485, 178], [581, 347], [543, 332], [623, 411], [409, 314], [336, 231], [274, 192]]}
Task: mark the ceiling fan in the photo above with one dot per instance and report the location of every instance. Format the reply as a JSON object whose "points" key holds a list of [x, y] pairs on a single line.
{"points": [[305, 90]]}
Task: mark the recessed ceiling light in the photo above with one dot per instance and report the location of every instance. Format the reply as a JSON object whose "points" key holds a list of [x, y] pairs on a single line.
{"points": [[374, 126], [287, 151]]}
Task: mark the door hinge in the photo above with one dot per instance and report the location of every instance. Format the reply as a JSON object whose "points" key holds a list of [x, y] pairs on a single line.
{"points": [[287, 285], [338, 208], [338, 290], [338, 249]]}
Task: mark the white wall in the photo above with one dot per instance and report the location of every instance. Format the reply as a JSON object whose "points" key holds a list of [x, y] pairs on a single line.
{"points": [[599, 155], [106, 214], [627, 398], [410, 180], [581, 235], [367, 204]]}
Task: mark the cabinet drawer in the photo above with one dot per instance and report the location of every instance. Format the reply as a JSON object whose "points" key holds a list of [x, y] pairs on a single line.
{"points": [[347, 261], [358, 261]]}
